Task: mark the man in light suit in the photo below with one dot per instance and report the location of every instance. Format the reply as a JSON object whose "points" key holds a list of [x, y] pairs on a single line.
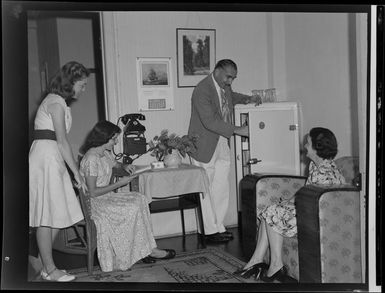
{"points": [[212, 105]]}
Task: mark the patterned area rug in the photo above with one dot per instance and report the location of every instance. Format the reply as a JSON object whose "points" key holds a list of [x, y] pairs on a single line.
{"points": [[209, 265]]}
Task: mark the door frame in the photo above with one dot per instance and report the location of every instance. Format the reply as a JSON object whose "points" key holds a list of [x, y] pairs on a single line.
{"points": [[98, 70]]}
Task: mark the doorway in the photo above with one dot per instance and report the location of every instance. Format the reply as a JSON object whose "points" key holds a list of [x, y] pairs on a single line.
{"points": [[55, 38]]}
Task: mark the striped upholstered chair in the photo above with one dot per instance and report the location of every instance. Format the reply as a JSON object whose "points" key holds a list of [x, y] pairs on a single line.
{"points": [[327, 246], [329, 229]]}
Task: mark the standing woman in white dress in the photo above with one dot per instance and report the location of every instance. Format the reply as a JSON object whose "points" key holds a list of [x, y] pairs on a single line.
{"points": [[53, 204]]}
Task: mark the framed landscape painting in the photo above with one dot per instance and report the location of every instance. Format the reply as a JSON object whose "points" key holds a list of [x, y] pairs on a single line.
{"points": [[195, 55]]}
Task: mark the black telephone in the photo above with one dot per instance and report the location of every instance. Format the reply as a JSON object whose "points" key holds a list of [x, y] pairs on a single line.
{"points": [[132, 117], [134, 142]]}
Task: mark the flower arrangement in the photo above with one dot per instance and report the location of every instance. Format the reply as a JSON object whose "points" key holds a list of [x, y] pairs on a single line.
{"points": [[163, 144]]}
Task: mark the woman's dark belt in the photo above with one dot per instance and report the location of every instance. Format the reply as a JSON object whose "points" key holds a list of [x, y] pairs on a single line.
{"points": [[44, 134]]}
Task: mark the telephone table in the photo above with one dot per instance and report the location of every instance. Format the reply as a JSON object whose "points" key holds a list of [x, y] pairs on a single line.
{"points": [[172, 189]]}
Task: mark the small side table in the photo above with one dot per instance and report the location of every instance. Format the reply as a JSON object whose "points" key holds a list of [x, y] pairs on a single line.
{"points": [[172, 189], [181, 202]]}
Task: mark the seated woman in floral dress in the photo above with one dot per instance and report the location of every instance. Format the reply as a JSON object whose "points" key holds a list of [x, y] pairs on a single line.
{"points": [[279, 220], [123, 222]]}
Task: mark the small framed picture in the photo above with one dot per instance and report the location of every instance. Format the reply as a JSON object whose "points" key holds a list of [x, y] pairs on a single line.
{"points": [[154, 73], [195, 55], [154, 84]]}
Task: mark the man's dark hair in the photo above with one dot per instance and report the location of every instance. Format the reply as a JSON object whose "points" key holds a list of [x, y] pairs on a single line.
{"points": [[224, 63]]}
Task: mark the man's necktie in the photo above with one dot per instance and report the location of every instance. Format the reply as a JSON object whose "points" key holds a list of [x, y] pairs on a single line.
{"points": [[225, 108]]}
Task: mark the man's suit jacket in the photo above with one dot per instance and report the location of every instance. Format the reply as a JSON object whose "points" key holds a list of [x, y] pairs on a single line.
{"points": [[206, 117]]}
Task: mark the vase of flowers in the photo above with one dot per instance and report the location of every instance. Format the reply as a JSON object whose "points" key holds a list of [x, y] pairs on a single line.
{"points": [[169, 148], [172, 160]]}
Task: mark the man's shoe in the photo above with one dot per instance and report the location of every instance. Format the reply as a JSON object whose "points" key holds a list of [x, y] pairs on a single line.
{"points": [[217, 238], [227, 234]]}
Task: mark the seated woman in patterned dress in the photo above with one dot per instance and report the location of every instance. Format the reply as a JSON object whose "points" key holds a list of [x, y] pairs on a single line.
{"points": [[122, 219], [279, 220]]}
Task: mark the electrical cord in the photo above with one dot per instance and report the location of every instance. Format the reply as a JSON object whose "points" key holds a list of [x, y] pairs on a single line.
{"points": [[120, 155]]}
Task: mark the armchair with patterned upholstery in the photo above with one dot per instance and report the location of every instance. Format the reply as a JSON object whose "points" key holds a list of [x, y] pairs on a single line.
{"points": [[327, 246]]}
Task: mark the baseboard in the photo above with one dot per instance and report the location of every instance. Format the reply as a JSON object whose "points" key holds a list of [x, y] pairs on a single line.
{"points": [[188, 233], [175, 234]]}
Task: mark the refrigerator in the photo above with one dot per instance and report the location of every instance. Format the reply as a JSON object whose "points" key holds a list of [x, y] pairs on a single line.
{"points": [[273, 142]]}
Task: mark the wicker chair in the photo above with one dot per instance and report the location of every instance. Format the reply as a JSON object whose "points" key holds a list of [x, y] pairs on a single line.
{"points": [[80, 238]]}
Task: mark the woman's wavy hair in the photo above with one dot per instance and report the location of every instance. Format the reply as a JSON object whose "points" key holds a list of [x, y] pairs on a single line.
{"points": [[63, 81], [324, 142], [100, 134]]}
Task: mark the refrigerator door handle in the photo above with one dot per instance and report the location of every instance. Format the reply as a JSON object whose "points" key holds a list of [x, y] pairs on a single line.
{"points": [[253, 161]]}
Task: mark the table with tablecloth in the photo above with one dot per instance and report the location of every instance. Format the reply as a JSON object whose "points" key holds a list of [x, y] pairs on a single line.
{"points": [[165, 182]]}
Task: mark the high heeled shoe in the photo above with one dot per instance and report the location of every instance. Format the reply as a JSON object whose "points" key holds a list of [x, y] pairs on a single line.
{"points": [[281, 276], [255, 270]]}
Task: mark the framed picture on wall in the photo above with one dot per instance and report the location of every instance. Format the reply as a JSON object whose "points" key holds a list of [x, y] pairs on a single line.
{"points": [[195, 55], [154, 84]]}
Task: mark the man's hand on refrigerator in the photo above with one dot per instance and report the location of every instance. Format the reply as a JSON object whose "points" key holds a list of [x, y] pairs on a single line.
{"points": [[242, 130], [256, 99]]}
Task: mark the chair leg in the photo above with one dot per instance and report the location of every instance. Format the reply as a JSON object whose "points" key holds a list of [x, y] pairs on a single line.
{"points": [[90, 255], [183, 226], [200, 216], [90, 261]]}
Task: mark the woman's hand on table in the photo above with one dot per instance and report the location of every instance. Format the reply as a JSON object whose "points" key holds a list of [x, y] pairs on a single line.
{"points": [[130, 169]]}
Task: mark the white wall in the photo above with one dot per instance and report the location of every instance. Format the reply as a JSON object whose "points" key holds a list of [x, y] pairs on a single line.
{"points": [[153, 34], [305, 56], [318, 72]]}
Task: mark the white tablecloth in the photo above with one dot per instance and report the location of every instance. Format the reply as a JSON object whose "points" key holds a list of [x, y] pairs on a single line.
{"points": [[165, 182]]}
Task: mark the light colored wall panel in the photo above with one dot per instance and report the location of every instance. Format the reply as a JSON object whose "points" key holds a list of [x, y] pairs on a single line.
{"points": [[318, 72]]}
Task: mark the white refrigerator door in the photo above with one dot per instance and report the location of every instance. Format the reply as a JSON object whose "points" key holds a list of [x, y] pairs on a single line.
{"points": [[274, 140]]}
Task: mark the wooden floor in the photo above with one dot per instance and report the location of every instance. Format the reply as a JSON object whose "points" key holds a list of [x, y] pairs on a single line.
{"points": [[233, 247]]}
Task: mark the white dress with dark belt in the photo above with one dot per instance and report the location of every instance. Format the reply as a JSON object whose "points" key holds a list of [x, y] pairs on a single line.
{"points": [[52, 199]]}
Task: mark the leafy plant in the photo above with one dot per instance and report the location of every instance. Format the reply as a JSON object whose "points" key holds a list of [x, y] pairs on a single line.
{"points": [[163, 144]]}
